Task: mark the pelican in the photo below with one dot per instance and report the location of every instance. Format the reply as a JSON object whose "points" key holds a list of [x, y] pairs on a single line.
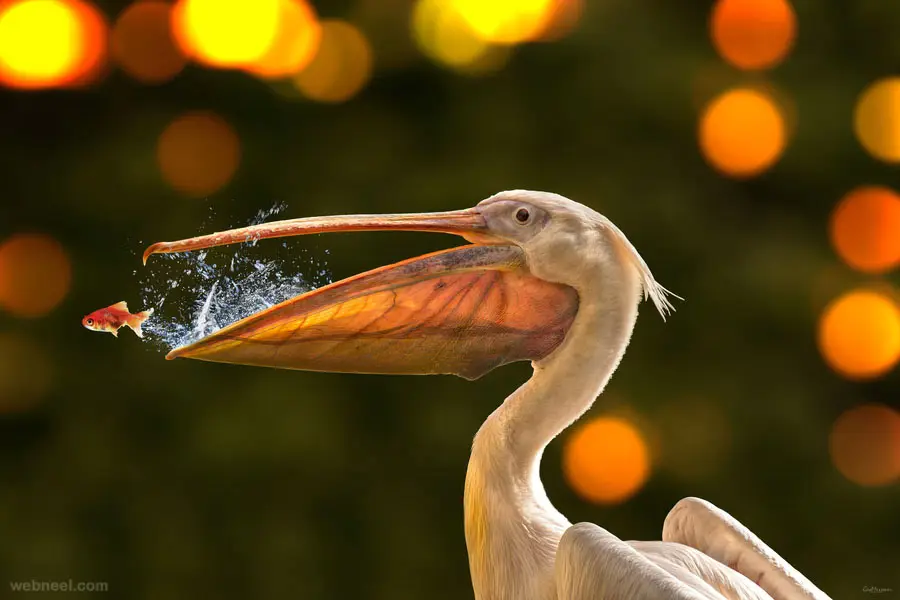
{"points": [[544, 279]]}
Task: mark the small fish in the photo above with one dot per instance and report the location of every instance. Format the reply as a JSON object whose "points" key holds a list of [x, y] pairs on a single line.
{"points": [[113, 317]]}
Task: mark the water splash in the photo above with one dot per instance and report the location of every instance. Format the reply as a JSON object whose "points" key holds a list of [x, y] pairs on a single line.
{"points": [[195, 294]]}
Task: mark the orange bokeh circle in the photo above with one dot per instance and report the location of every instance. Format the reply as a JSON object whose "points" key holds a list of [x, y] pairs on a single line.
{"points": [[35, 274], [606, 460]]}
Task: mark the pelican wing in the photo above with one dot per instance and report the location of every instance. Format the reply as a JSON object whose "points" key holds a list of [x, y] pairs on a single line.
{"points": [[690, 565], [701, 525], [593, 564], [461, 311]]}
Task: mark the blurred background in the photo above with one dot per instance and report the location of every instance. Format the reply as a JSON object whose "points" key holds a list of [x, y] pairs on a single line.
{"points": [[749, 149]]}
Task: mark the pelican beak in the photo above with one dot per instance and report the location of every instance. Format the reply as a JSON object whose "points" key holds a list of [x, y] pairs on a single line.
{"points": [[461, 311], [468, 224]]}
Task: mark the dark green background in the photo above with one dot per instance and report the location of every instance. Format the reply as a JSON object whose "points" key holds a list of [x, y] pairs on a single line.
{"points": [[184, 479]]}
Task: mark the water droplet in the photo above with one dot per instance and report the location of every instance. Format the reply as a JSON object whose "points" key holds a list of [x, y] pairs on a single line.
{"points": [[250, 280]]}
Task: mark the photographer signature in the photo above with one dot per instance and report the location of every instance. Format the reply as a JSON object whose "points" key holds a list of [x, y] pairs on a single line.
{"points": [[871, 589]]}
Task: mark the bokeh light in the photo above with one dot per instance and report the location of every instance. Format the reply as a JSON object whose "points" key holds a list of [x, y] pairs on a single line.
{"points": [[295, 43], [877, 119], [562, 18], [507, 21], [29, 58], [93, 59], [865, 445], [341, 66], [859, 334], [742, 132], [26, 373], [198, 153], [142, 42], [753, 34], [606, 460], [35, 274], [50, 43], [865, 229], [226, 33], [445, 36]]}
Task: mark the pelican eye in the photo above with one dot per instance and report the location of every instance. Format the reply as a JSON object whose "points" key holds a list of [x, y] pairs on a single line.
{"points": [[522, 215]]}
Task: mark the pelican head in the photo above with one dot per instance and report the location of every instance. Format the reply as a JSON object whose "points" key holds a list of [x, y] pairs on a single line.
{"points": [[565, 241], [510, 295]]}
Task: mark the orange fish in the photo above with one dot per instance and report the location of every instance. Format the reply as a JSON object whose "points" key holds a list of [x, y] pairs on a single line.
{"points": [[113, 317]]}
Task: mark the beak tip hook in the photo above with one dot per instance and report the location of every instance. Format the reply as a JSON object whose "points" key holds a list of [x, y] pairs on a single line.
{"points": [[151, 250]]}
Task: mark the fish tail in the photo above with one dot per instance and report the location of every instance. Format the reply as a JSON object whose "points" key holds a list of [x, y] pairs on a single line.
{"points": [[135, 326], [135, 322]]}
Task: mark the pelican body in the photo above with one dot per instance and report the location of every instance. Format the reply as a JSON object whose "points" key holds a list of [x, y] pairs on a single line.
{"points": [[544, 279]]}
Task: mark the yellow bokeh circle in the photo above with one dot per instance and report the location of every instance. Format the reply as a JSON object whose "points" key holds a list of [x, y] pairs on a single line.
{"points": [[295, 44], [506, 21], [876, 119], [50, 43], [226, 33]]}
